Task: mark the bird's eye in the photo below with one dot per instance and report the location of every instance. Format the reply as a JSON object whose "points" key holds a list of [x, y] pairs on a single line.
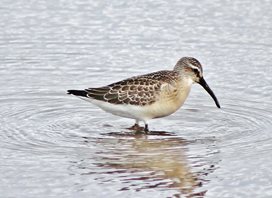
{"points": [[195, 70]]}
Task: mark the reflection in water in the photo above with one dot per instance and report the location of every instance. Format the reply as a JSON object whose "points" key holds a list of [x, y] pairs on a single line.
{"points": [[143, 162]]}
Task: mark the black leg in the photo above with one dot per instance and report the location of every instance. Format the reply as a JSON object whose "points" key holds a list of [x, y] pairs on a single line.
{"points": [[146, 128]]}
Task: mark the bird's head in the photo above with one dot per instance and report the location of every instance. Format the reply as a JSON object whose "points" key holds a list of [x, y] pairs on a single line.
{"points": [[190, 68]]}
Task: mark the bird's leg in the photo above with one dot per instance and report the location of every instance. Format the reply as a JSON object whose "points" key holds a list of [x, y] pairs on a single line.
{"points": [[135, 126], [146, 128]]}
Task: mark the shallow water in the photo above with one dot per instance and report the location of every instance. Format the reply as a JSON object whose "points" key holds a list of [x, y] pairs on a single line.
{"points": [[55, 145]]}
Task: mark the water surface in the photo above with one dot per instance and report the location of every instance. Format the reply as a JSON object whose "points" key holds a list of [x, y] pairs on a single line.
{"points": [[55, 145]]}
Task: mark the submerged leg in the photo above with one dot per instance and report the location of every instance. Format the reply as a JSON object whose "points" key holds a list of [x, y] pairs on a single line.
{"points": [[136, 127]]}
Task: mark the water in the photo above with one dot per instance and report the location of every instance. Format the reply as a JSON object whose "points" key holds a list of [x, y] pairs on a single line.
{"points": [[55, 145]]}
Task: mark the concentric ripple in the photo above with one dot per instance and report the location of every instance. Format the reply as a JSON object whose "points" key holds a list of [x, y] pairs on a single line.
{"points": [[243, 121], [41, 122], [49, 125]]}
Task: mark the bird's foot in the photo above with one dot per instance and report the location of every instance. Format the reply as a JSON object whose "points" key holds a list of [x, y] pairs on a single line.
{"points": [[136, 127]]}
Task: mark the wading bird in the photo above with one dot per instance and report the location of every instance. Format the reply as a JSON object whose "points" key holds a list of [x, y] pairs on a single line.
{"points": [[148, 96]]}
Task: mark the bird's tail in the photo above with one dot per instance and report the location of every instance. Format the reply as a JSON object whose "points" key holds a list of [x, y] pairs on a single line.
{"points": [[81, 93]]}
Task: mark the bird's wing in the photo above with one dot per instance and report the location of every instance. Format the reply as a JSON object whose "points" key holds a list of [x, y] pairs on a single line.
{"points": [[138, 90], [134, 91]]}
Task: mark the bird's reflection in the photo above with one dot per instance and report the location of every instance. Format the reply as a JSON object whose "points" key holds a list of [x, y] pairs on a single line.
{"points": [[157, 160]]}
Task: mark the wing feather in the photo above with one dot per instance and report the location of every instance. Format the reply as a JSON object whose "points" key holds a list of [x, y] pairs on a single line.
{"points": [[139, 90]]}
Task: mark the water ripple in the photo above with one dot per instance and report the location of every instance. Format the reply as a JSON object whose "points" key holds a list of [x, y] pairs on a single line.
{"points": [[35, 123], [51, 125], [242, 125]]}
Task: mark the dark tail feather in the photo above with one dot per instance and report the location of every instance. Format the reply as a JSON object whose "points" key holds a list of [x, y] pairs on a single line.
{"points": [[78, 92]]}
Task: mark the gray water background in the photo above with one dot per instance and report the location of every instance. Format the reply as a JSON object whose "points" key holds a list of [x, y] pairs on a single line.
{"points": [[55, 145]]}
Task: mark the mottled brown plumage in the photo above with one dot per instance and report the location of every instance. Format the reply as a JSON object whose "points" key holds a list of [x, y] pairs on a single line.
{"points": [[139, 90]]}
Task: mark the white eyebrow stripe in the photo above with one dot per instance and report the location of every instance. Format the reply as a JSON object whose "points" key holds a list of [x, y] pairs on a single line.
{"points": [[194, 67]]}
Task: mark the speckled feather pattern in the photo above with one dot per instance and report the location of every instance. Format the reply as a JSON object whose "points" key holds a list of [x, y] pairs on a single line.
{"points": [[139, 90]]}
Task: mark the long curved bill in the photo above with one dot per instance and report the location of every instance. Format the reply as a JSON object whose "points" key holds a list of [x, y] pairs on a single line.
{"points": [[203, 83]]}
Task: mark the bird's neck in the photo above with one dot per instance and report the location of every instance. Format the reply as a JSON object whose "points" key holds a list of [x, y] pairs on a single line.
{"points": [[185, 85], [186, 82]]}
